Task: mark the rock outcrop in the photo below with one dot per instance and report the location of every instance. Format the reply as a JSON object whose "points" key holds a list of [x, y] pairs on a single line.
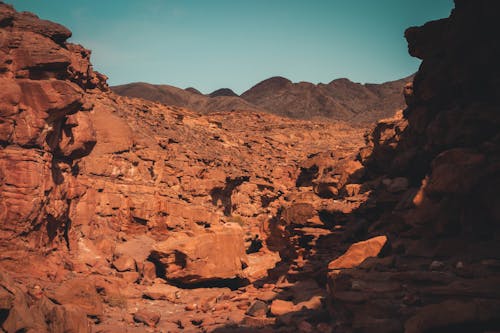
{"points": [[45, 126], [434, 171], [216, 254], [31, 310]]}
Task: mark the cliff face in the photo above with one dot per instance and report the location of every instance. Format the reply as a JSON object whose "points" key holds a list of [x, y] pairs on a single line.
{"points": [[433, 173], [44, 125], [447, 140], [45, 130]]}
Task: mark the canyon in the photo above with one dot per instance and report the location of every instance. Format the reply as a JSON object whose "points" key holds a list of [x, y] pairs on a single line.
{"points": [[122, 214]]}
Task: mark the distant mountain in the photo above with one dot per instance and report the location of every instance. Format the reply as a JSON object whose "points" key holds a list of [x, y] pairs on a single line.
{"points": [[223, 92], [341, 99], [188, 98], [193, 90]]}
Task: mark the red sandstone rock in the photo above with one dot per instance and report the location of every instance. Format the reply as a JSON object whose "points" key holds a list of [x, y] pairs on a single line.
{"points": [[40, 123], [124, 263], [31, 22], [163, 292], [148, 318], [358, 252], [25, 312], [210, 254], [259, 265], [280, 307], [81, 292]]}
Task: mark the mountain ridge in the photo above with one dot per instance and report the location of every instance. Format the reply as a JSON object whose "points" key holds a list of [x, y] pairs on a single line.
{"points": [[340, 99]]}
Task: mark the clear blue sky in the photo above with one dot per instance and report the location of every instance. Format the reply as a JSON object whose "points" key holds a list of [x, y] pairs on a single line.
{"points": [[237, 43]]}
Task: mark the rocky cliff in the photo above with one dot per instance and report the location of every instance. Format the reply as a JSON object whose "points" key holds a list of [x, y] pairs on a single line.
{"points": [[45, 130], [432, 174], [45, 125]]}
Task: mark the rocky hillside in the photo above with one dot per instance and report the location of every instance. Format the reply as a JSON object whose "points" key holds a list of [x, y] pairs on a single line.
{"points": [[118, 211], [223, 92], [341, 99], [125, 215], [190, 98]]}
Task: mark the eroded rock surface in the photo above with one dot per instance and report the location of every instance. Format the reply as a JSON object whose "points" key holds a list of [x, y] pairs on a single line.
{"points": [[45, 127], [433, 170], [99, 192]]}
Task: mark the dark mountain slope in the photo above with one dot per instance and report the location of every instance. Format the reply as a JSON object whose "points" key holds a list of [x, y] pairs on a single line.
{"points": [[341, 99]]}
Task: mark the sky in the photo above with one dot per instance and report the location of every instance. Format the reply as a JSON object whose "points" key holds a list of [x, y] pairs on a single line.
{"points": [[238, 43]]}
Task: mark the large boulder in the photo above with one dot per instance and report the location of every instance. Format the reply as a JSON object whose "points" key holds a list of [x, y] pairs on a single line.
{"points": [[358, 252], [205, 255], [32, 311]]}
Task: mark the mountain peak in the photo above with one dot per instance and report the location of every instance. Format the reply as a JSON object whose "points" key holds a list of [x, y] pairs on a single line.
{"points": [[273, 83], [341, 80], [193, 90], [223, 92]]}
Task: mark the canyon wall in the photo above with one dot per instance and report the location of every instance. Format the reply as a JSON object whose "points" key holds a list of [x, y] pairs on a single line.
{"points": [[432, 174], [45, 127]]}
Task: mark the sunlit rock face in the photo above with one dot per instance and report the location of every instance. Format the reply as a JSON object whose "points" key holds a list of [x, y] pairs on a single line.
{"points": [[44, 125], [45, 130]]}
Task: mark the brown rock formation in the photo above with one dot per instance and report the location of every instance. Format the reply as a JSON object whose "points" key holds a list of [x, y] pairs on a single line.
{"points": [[216, 254], [32, 311], [44, 131], [434, 170], [358, 252], [45, 126]]}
